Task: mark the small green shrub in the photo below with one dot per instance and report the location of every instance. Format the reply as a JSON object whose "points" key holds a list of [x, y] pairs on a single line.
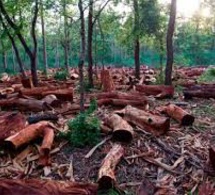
{"points": [[208, 76], [109, 192], [84, 129], [61, 75]]}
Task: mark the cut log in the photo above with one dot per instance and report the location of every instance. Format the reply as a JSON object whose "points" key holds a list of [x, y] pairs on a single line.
{"points": [[159, 91], [61, 94], [154, 124], [24, 104], [42, 117], [199, 93], [48, 138], [51, 100], [122, 131], [28, 134], [122, 102], [107, 81], [106, 178], [180, 115], [11, 123], [45, 187]]}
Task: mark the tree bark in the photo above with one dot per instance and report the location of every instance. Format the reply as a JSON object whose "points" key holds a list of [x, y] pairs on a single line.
{"points": [[170, 53], [180, 115], [90, 36], [45, 187], [154, 124], [82, 55], [136, 39], [122, 131], [43, 37], [106, 178]]}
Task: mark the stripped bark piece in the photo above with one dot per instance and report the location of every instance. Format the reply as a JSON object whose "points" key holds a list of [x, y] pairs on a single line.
{"points": [[106, 178], [45, 187], [154, 124], [48, 138], [180, 115], [107, 81], [122, 131], [11, 123], [27, 134]]}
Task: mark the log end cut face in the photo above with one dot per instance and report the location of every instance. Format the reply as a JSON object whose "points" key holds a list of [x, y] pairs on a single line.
{"points": [[106, 182], [122, 135], [187, 120]]}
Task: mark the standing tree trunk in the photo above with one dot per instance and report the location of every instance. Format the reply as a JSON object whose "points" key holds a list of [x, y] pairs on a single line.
{"points": [[170, 32], [66, 37], [44, 38], [136, 39], [31, 53], [14, 48], [90, 36], [82, 55]]}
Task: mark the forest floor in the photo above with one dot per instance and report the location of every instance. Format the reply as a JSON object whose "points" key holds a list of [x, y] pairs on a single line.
{"points": [[174, 163]]}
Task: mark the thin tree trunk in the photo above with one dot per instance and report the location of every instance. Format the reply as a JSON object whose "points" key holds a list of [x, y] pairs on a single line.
{"points": [[43, 38], [14, 61], [90, 36], [66, 38], [57, 62], [82, 55], [136, 39], [4, 60], [170, 54]]}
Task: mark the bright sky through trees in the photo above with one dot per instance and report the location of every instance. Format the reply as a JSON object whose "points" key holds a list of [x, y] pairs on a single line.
{"points": [[187, 7]]}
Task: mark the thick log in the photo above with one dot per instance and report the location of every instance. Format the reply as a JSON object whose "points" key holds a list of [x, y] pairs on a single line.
{"points": [[24, 104], [154, 124], [48, 138], [159, 91], [11, 123], [42, 117], [28, 134], [51, 100], [180, 115], [106, 177], [199, 93], [107, 81], [45, 187], [61, 94], [121, 102], [122, 131]]}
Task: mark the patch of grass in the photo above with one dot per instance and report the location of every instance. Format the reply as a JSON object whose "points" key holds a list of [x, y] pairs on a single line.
{"points": [[61, 75], [208, 76], [203, 110], [84, 129]]}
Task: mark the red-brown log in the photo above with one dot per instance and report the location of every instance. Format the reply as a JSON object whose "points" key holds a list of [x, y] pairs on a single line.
{"points": [[61, 94], [28, 134], [199, 93], [45, 187], [180, 115], [24, 104], [159, 91], [48, 138], [107, 81], [154, 124], [122, 131], [11, 123], [106, 177]]}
